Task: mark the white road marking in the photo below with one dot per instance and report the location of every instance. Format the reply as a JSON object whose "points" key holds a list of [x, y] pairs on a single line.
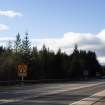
{"points": [[4, 101], [91, 99]]}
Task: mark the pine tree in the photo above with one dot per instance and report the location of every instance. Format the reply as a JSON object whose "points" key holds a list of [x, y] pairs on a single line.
{"points": [[17, 46], [76, 49], [26, 44], [26, 47]]}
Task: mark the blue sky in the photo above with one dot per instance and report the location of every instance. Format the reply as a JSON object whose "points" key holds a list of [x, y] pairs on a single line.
{"points": [[56, 23], [52, 18]]}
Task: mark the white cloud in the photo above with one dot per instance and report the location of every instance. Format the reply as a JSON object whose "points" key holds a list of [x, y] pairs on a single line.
{"points": [[3, 27], [10, 13], [101, 60], [6, 39], [101, 35], [85, 41]]}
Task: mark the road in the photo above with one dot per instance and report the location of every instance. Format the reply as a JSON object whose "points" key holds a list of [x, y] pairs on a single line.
{"points": [[50, 94]]}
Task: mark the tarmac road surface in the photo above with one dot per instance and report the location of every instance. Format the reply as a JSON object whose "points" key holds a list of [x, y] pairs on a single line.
{"points": [[50, 93]]}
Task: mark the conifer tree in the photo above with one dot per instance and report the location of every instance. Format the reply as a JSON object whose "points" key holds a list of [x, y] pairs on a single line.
{"points": [[17, 46], [26, 48]]}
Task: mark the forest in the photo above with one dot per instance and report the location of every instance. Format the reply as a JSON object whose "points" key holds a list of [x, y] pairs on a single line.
{"points": [[46, 64]]}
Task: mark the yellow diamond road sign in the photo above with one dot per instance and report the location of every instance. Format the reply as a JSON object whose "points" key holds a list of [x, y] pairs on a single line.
{"points": [[22, 70]]}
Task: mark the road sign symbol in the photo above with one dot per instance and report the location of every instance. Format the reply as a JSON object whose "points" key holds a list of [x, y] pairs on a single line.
{"points": [[22, 70]]}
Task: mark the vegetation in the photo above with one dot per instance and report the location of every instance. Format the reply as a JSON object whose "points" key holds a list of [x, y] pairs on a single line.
{"points": [[45, 64]]}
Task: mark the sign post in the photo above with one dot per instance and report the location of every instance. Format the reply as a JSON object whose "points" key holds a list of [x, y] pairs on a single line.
{"points": [[22, 71]]}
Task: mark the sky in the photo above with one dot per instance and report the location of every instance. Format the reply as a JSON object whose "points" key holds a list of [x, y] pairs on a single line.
{"points": [[56, 23]]}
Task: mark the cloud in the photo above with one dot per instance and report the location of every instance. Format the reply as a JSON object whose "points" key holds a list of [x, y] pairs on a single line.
{"points": [[85, 41], [10, 13], [5, 40], [3, 27], [101, 60], [101, 35]]}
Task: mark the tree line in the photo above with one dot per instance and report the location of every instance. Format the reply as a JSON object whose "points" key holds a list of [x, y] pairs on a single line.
{"points": [[46, 64]]}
